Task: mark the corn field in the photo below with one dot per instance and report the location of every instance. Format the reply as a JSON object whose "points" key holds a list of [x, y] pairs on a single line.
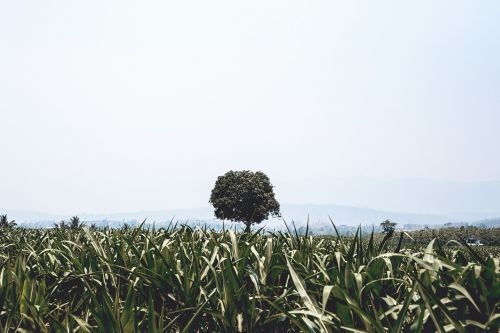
{"points": [[182, 279]]}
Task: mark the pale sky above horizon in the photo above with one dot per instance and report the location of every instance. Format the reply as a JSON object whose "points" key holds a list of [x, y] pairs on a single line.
{"points": [[110, 106]]}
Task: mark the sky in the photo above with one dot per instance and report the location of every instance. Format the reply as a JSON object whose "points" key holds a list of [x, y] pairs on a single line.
{"points": [[109, 106]]}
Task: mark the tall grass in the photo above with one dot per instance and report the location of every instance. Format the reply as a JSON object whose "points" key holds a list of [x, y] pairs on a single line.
{"points": [[197, 280]]}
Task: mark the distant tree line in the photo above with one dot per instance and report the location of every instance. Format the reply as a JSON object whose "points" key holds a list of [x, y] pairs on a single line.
{"points": [[73, 223], [487, 236]]}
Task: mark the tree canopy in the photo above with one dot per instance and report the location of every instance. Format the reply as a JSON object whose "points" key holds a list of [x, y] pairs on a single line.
{"points": [[244, 196], [388, 226]]}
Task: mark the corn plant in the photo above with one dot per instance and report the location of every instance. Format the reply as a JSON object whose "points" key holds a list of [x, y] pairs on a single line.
{"points": [[183, 279]]}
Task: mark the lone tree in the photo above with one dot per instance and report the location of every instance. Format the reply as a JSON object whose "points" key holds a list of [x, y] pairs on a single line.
{"points": [[388, 226], [244, 196]]}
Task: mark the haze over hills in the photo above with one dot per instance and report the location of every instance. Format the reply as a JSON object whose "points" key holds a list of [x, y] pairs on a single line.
{"points": [[432, 200], [415, 202], [317, 214], [458, 201]]}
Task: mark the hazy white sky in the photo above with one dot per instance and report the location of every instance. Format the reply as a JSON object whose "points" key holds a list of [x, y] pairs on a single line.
{"points": [[123, 106]]}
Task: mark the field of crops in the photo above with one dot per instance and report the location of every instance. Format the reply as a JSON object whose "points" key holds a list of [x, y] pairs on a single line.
{"points": [[195, 280]]}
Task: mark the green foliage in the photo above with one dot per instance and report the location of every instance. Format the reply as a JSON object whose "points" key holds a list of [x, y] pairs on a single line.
{"points": [[388, 226], [244, 196], [5, 223], [488, 236], [197, 280], [73, 223]]}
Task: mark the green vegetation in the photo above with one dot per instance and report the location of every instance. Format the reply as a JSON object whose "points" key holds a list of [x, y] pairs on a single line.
{"points": [[244, 196], [388, 227], [488, 236], [197, 280], [73, 223], [5, 223]]}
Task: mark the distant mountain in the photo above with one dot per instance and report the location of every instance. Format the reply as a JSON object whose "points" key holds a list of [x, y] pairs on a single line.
{"points": [[299, 213], [460, 201], [490, 223], [487, 223], [28, 216], [346, 218], [349, 215]]}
